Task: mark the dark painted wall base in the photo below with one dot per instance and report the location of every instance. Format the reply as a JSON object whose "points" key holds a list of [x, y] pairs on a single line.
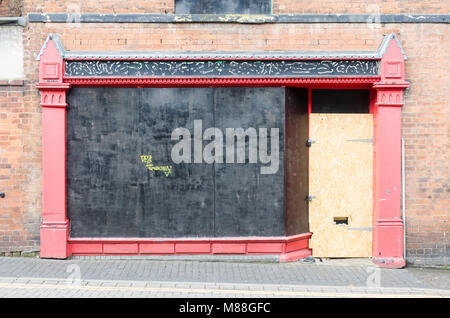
{"points": [[236, 18]]}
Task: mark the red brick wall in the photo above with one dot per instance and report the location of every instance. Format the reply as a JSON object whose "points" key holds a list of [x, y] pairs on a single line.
{"points": [[10, 8], [100, 6], [360, 6], [20, 176], [425, 114], [426, 131], [278, 6]]}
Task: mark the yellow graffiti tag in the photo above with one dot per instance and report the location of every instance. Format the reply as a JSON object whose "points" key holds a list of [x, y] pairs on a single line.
{"points": [[147, 159]]}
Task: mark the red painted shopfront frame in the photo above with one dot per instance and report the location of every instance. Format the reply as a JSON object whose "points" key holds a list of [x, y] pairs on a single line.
{"points": [[386, 103]]}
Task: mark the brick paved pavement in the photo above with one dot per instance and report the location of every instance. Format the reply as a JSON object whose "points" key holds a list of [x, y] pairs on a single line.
{"points": [[33, 277]]}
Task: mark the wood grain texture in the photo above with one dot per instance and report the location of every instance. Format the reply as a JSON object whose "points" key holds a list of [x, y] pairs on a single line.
{"points": [[341, 180]]}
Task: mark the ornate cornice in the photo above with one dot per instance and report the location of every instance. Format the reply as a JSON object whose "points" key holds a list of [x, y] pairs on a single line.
{"points": [[225, 68], [181, 81]]}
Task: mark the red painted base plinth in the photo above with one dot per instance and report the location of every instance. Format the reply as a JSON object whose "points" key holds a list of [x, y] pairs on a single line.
{"points": [[289, 248], [388, 243], [391, 262], [54, 240]]}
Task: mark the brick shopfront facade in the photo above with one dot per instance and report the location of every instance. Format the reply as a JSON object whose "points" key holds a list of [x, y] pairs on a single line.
{"points": [[253, 128]]}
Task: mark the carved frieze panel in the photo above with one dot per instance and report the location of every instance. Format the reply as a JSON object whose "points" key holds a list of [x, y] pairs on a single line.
{"points": [[221, 68]]}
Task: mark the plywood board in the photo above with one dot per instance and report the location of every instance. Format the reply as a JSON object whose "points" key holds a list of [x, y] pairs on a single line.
{"points": [[341, 180]]}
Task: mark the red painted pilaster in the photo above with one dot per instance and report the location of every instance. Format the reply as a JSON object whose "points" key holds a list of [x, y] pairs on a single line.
{"points": [[54, 231], [388, 223]]}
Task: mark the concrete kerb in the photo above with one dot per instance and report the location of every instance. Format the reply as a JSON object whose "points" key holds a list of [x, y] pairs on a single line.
{"points": [[216, 289]]}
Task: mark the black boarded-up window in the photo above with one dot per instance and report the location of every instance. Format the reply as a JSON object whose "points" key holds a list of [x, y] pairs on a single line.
{"points": [[112, 191], [340, 101], [223, 7]]}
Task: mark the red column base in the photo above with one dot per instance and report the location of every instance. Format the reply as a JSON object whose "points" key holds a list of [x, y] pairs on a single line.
{"points": [[54, 240], [388, 244], [395, 262]]}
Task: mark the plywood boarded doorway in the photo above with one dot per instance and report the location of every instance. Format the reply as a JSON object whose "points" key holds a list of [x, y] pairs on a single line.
{"points": [[340, 174]]}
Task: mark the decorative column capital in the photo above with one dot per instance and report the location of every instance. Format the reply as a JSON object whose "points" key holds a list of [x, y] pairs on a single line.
{"points": [[390, 94], [53, 94], [392, 69], [50, 57], [51, 73]]}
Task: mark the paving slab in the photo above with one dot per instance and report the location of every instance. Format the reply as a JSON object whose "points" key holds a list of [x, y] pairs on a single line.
{"points": [[34, 277]]}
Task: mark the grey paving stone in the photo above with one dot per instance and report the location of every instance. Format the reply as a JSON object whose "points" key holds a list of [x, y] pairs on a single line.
{"points": [[115, 273], [109, 284]]}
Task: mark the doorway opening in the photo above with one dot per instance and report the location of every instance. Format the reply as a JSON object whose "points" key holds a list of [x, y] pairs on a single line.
{"points": [[328, 161]]}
